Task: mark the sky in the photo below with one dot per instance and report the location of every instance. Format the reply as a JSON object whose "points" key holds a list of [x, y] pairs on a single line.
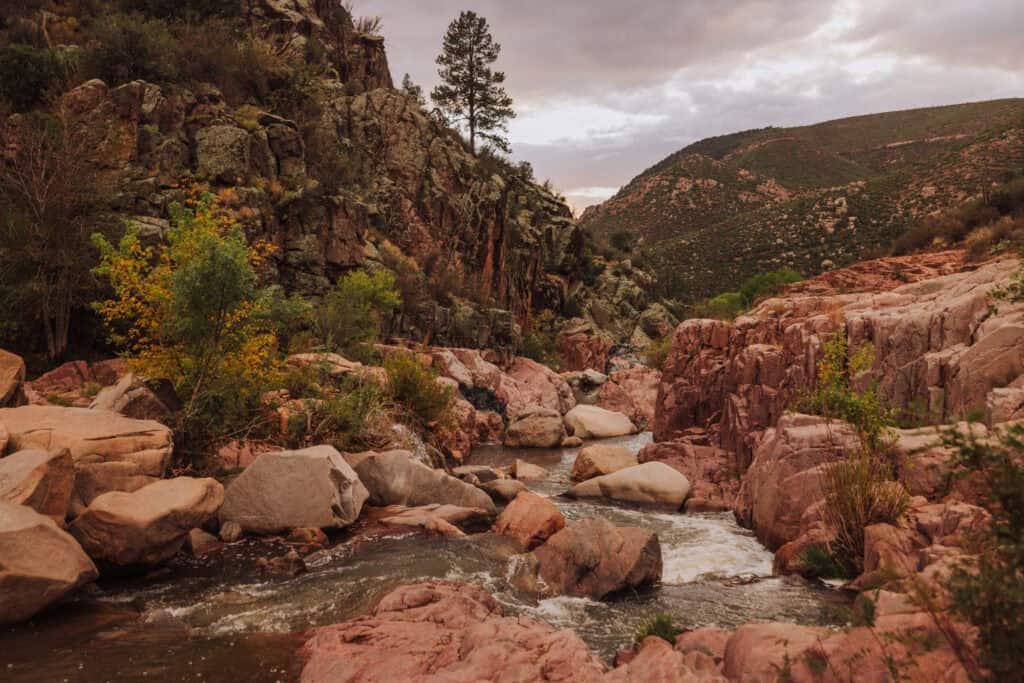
{"points": [[604, 89]]}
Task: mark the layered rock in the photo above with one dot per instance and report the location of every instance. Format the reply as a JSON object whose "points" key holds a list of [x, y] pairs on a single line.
{"points": [[74, 383], [147, 526], [395, 478], [39, 563], [313, 487], [445, 631], [41, 480], [652, 483]]}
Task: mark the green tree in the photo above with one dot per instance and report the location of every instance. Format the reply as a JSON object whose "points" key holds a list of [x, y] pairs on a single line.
{"points": [[471, 92], [351, 314], [412, 90]]}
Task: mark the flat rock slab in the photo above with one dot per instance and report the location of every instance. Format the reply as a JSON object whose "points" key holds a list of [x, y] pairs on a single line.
{"points": [[443, 519], [90, 435], [41, 480], [39, 563], [314, 487]]}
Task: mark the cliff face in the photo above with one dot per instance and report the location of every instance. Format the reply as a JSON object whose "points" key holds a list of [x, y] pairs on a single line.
{"points": [[361, 169]]}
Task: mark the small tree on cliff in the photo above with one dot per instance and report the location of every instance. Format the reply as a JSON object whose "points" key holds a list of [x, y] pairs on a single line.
{"points": [[471, 93]]}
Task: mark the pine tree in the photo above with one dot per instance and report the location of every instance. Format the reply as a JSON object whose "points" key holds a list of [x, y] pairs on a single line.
{"points": [[471, 93], [412, 90]]}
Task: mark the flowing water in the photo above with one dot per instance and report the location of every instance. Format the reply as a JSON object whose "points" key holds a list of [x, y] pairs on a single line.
{"points": [[218, 618]]}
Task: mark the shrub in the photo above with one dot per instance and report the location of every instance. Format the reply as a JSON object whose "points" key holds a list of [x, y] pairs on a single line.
{"points": [[539, 341], [128, 47], [416, 389], [341, 419], [656, 353], [623, 240], [26, 75], [990, 593], [819, 562], [184, 9], [191, 311], [350, 315], [660, 625], [722, 307], [767, 284]]}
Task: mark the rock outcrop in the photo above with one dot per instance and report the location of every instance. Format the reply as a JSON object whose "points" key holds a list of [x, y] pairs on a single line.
{"points": [[395, 478], [39, 563], [312, 488], [147, 527], [445, 631]]}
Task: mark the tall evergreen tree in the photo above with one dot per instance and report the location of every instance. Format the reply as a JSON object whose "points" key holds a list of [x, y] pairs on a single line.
{"points": [[471, 92]]}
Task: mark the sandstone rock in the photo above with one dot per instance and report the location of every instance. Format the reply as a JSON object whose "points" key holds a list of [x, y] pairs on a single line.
{"points": [[289, 564], [591, 422], [443, 519], [536, 428], [231, 532], [445, 631], [712, 472], [148, 526], [783, 479], [651, 483], [313, 487], [503, 490], [198, 542], [90, 435], [337, 366], [571, 442], [757, 652], [597, 460], [394, 478], [530, 520], [581, 348], [39, 563], [657, 661], [131, 397], [41, 480], [483, 473], [92, 480], [539, 385], [524, 471], [12, 374], [632, 392], [595, 558], [74, 383]]}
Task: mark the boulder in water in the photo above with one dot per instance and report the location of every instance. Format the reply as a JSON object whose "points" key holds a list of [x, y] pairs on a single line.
{"points": [[443, 519], [148, 526], [394, 478], [314, 487], [39, 563], [535, 428], [530, 520], [503, 490], [600, 459], [525, 471], [652, 483], [445, 631], [591, 422]]}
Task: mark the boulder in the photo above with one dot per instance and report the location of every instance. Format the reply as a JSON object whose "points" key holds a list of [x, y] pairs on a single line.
{"points": [[758, 652], [148, 526], [656, 660], [222, 153], [41, 480], [524, 471], [313, 487], [530, 520], [443, 519], [230, 532], [535, 428], [503, 490], [395, 478], [652, 483], [595, 558], [90, 435], [597, 460], [131, 397], [39, 563], [572, 442], [198, 542], [445, 631], [591, 422], [12, 375], [711, 471], [92, 480]]}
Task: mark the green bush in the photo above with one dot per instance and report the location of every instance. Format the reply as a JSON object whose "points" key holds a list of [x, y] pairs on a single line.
{"points": [[128, 47], [26, 75], [819, 562], [416, 389], [340, 419], [350, 316], [656, 353], [184, 9], [990, 592], [623, 240], [767, 284], [660, 625]]}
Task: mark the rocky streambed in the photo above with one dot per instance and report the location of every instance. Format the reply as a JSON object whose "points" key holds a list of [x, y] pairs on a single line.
{"points": [[219, 617]]}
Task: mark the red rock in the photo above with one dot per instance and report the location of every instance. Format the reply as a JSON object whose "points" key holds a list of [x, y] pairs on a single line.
{"points": [[581, 349], [657, 661], [712, 472], [445, 631], [530, 520], [758, 652]]}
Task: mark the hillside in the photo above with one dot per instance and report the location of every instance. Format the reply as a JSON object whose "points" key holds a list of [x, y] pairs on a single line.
{"points": [[810, 197]]}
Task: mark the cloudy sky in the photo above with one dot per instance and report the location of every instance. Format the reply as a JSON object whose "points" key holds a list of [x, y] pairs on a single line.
{"points": [[606, 88]]}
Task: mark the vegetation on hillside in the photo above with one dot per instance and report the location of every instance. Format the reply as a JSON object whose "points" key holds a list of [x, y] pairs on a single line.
{"points": [[728, 305]]}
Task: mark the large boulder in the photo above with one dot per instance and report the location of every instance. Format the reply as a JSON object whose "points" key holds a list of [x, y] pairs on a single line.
{"points": [[39, 563], [535, 428], [90, 435], [711, 471], [591, 422], [600, 459], [92, 480], [530, 520], [758, 652], [445, 632], [595, 558], [314, 487], [396, 478], [652, 483], [41, 480], [132, 397], [12, 374], [148, 526]]}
